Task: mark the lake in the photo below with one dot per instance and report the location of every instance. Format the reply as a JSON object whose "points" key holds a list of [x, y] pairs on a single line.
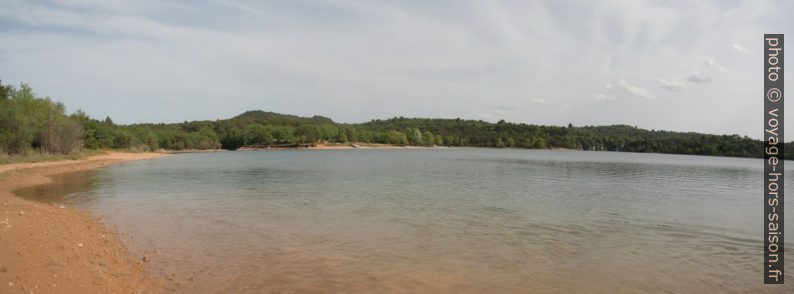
{"points": [[434, 220]]}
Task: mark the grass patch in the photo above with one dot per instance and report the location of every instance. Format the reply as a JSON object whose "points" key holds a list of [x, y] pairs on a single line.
{"points": [[37, 156]]}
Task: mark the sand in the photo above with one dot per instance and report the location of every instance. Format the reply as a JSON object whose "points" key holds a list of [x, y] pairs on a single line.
{"points": [[47, 248], [368, 146]]}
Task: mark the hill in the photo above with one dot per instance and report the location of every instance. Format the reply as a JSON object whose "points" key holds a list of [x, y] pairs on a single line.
{"points": [[28, 122]]}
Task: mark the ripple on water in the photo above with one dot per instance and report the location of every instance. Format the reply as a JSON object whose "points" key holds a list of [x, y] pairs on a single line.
{"points": [[458, 220]]}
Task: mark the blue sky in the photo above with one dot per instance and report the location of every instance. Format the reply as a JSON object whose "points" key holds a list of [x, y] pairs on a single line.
{"points": [[675, 65]]}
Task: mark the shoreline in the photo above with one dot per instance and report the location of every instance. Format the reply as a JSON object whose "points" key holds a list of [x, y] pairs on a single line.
{"points": [[347, 146], [51, 248], [353, 146]]}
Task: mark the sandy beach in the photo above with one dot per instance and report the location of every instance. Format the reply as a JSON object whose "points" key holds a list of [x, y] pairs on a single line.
{"points": [[363, 146], [353, 146], [54, 249]]}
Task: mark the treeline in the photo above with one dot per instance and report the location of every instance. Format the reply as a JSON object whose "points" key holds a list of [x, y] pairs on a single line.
{"points": [[28, 122], [458, 132]]}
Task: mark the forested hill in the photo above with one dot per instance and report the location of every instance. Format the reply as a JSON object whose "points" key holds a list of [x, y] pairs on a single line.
{"points": [[458, 132], [266, 117], [28, 122]]}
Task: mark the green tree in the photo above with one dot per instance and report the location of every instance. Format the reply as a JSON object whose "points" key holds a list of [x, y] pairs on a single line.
{"points": [[428, 138], [540, 143], [416, 137]]}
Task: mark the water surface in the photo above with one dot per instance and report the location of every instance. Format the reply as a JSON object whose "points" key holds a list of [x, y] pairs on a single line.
{"points": [[438, 220]]}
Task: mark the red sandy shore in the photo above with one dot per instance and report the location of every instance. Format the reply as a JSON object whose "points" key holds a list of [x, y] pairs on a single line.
{"points": [[46, 248]]}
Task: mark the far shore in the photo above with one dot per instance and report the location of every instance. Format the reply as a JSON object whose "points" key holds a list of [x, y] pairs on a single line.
{"points": [[359, 145], [52, 248], [332, 146], [343, 146], [349, 146]]}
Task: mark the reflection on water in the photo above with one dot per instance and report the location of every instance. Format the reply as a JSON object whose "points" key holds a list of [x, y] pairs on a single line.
{"points": [[459, 220], [64, 188]]}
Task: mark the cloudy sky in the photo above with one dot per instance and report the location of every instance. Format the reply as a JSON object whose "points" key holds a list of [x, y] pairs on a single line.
{"points": [[687, 66]]}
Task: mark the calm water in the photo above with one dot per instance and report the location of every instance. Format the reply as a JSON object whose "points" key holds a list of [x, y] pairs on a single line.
{"points": [[447, 220]]}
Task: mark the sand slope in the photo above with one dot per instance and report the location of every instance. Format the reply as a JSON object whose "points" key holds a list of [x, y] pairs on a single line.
{"points": [[49, 249]]}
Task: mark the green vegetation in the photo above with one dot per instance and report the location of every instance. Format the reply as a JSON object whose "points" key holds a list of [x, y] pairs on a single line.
{"points": [[37, 156], [28, 122]]}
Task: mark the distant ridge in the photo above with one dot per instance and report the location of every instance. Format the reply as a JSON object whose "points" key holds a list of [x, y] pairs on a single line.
{"points": [[261, 116], [28, 124]]}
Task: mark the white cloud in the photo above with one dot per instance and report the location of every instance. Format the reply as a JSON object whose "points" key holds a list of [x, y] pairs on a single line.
{"points": [[739, 48], [711, 62], [537, 101], [680, 83], [673, 84], [624, 86], [603, 97], [358, 60]]}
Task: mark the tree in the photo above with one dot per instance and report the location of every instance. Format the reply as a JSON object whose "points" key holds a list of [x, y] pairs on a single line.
{"points": [[397, 138], [29, 122], [439, 140], [540, 143], [416, 137], [5, 91], [511, 142], [428, 138]]}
